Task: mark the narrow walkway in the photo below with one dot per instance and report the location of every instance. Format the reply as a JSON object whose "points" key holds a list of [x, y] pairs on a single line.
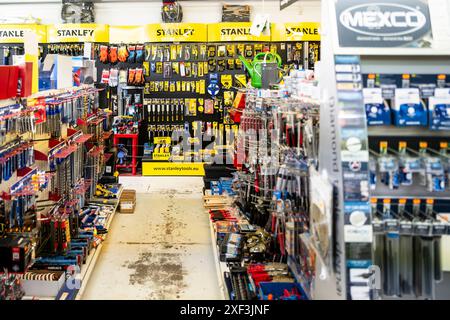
{"points": [[163, 250]]}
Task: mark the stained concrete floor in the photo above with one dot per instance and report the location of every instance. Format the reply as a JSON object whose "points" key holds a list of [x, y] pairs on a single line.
{"points": [[163, 250]]}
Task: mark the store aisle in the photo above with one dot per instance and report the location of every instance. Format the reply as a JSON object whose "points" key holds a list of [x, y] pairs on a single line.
{"points": [[163, 250]]}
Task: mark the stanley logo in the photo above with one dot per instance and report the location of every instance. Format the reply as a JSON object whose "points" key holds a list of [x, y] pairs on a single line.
{"points": [[12, 33], [175, 32], [304, 31], [235, 32], [75, 33]]}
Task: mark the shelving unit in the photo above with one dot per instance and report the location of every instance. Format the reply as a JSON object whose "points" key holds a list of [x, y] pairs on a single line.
{"points": [[221, 267], [88, 268], [392, 131]]}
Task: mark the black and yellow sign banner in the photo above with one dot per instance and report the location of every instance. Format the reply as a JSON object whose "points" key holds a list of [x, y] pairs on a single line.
{"points": [[15, 33], [303, 31], [86, 32], [233, 31], [172, 169], [177, 32]]}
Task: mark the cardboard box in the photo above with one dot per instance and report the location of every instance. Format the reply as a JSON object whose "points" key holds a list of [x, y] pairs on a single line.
{"points": [[127, 202], [41, 288]]}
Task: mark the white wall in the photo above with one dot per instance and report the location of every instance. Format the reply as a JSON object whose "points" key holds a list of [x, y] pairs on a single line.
{"points": [[137, 13]]}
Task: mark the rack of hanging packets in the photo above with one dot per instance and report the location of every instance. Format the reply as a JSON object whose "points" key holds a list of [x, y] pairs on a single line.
{"points": [[52, 219], [260, 218], [163, 78]]}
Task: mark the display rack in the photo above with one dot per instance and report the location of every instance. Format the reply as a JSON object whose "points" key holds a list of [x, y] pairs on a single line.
{"points": [[50, 175], [134, 150], [88, 268], [353, 156], [221, 267]]}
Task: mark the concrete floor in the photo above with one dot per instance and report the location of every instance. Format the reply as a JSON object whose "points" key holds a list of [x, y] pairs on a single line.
{"points": [[163, 250]]}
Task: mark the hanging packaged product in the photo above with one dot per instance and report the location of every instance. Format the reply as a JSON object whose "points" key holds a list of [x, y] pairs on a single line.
{"points": [[228, 97], [227, 81], [132, 54], [434, 169], [213, 86], [240, 81], [209, 106], [409, 109], [113, 55], [439, 110], [123, 76], [122, 53], [103, 54], [105, 76], [131, 74], [200, 107], [377, 110], [140, 54], [388, 167]]}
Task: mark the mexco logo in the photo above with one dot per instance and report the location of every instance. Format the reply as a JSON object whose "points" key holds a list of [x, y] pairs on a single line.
{"points": [[383, 19]]}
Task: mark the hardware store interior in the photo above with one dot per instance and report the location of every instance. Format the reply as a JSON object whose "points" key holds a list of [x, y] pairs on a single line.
{"points": [[225, 150]]}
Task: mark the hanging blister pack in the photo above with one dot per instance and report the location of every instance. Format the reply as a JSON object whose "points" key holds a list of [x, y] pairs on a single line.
{"points": [[439, 110], [377, 110], [372, 173], [409, 109], [213, 85], [409, 165], [388, 167]]}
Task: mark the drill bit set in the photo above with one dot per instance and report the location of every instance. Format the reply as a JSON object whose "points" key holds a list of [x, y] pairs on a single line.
{"points": [[66, 160], [67, 108], [15, 119], [15, 156], [93, 169]]}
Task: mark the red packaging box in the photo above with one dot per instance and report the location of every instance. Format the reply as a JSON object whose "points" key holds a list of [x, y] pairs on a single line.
{"points": [[9, 77], [4, 79], [13, 81], [26, 79]]}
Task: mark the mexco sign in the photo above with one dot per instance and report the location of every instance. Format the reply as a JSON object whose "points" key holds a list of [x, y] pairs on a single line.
{"points": [[365, 23]]}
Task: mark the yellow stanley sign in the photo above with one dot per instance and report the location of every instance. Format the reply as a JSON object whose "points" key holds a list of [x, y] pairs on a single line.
{"points": [[86, 32], [233, 31], [177, 32], [15, 33], [305, 31]]}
